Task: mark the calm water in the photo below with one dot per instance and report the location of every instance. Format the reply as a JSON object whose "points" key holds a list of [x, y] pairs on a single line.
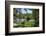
{"points": [[21, 20]]}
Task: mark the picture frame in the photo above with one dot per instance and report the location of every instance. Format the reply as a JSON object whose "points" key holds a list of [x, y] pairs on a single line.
{"points": [[9, 5]]}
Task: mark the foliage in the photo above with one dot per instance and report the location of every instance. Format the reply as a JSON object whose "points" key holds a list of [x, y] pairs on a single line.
{"points": [[36, 16], [27, 16]]}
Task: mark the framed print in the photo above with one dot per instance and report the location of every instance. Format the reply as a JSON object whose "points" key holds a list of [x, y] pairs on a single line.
{"points": [[24, 17]]}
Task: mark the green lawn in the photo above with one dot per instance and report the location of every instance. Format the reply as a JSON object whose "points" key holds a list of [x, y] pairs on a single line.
{"points": [[25, 24]]}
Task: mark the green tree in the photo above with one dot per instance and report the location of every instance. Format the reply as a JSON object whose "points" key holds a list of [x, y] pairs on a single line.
{"points": [[27, 14], [35, 15]]}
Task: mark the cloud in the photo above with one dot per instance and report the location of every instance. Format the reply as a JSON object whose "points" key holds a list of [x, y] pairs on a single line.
{"points": [[28, 11]]}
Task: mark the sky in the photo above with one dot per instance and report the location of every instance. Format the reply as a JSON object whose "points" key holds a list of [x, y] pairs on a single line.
{"points": [[23, 11], [28, 11]]}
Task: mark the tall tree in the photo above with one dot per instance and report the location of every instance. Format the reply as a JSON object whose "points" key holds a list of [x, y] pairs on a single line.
{"points": [[26, 9], [36, 16], [20, 12]]}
